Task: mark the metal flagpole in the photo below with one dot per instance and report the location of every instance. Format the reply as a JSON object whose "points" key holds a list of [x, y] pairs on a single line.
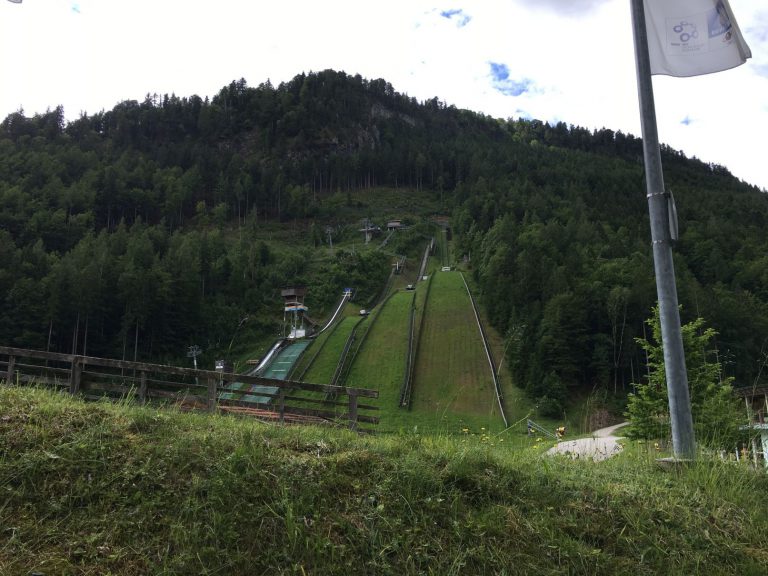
{"points": [[683, 442]]}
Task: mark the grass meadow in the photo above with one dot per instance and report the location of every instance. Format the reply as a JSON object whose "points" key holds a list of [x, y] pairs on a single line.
{"points": [[118, 489]]}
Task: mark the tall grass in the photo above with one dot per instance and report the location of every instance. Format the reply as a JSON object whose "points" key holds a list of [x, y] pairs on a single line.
{"points": [[120, 489]]}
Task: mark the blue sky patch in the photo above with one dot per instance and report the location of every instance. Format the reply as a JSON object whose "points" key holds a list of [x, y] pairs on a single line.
{"points": [[508, 86], [458, 16], [499, 72]]}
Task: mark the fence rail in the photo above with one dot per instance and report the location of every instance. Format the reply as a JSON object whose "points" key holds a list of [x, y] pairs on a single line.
{"points": [[491, 363], [188, 388], [427, 251], [414, 337]]}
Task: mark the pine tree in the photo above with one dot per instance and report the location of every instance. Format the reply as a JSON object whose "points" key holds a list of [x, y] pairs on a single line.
{"points": [[715, 410]]}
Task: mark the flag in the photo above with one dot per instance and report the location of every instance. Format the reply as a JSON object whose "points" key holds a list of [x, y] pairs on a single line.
{"points": [[693, 37]]}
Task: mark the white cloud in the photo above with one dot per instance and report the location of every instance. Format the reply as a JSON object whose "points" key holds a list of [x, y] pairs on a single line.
{"points": [[570, 7]]}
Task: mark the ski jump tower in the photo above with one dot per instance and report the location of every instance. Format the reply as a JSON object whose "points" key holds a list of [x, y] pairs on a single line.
{"points": [[293, 312]]}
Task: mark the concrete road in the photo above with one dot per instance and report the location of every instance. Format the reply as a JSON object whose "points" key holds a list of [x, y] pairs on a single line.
{"points": [[600, 446]]}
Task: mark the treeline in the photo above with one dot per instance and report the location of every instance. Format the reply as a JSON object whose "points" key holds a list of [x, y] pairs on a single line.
{"points": [[140, 220], [142, 292], [265, 151], [560, 243], [138, 292]]}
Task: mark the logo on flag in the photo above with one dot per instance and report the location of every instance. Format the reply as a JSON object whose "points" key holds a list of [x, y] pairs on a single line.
{"points": [[693, 37]]}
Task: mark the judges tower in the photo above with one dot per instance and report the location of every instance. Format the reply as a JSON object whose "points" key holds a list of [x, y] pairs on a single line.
{"points": [[293, 312]]}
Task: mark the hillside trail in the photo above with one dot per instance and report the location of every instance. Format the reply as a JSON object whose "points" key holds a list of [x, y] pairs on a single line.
{"points": [[600, 446]]}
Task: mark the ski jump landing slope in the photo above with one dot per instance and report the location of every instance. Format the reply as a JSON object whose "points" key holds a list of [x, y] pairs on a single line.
{"points": [[452, 376]]}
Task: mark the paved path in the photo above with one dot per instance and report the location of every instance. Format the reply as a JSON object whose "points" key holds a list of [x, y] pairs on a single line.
{"points": [[601, 446]]}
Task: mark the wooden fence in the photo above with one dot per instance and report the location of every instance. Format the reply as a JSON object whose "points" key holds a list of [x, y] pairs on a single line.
{"points": [[187, 388]]}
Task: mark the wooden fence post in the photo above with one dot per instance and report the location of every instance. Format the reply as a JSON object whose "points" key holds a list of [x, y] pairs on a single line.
{"points": [[143, 387], [281, 405], [352, 410], [75, 375], [9, 379], [212, 384]]}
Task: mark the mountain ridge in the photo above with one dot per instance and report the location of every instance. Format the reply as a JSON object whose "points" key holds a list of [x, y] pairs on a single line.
{"points": [[173, 197]]}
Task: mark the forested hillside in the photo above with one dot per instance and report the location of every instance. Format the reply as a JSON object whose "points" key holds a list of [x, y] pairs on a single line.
{"points": [[134, 231]]}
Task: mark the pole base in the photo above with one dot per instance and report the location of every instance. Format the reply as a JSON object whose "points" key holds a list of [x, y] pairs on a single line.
{"points": [[673, 464]]}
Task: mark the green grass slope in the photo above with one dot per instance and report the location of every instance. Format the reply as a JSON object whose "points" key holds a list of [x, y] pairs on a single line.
{"points": [[453, 386], [380, 363], [324, 364], [114, 489], [517, 406]]}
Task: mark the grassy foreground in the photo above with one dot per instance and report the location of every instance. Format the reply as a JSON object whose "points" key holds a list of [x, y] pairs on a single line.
{"points": [[117, 489]]}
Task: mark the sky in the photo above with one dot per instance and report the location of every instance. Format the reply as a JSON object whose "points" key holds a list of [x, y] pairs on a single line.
{"points": [[552, 60]]}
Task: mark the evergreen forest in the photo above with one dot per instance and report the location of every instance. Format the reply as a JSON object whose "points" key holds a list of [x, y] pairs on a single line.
{"points": [[131, 233]]}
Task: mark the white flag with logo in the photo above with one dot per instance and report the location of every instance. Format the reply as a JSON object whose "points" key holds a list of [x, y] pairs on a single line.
{"points": [[693, 37]]}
